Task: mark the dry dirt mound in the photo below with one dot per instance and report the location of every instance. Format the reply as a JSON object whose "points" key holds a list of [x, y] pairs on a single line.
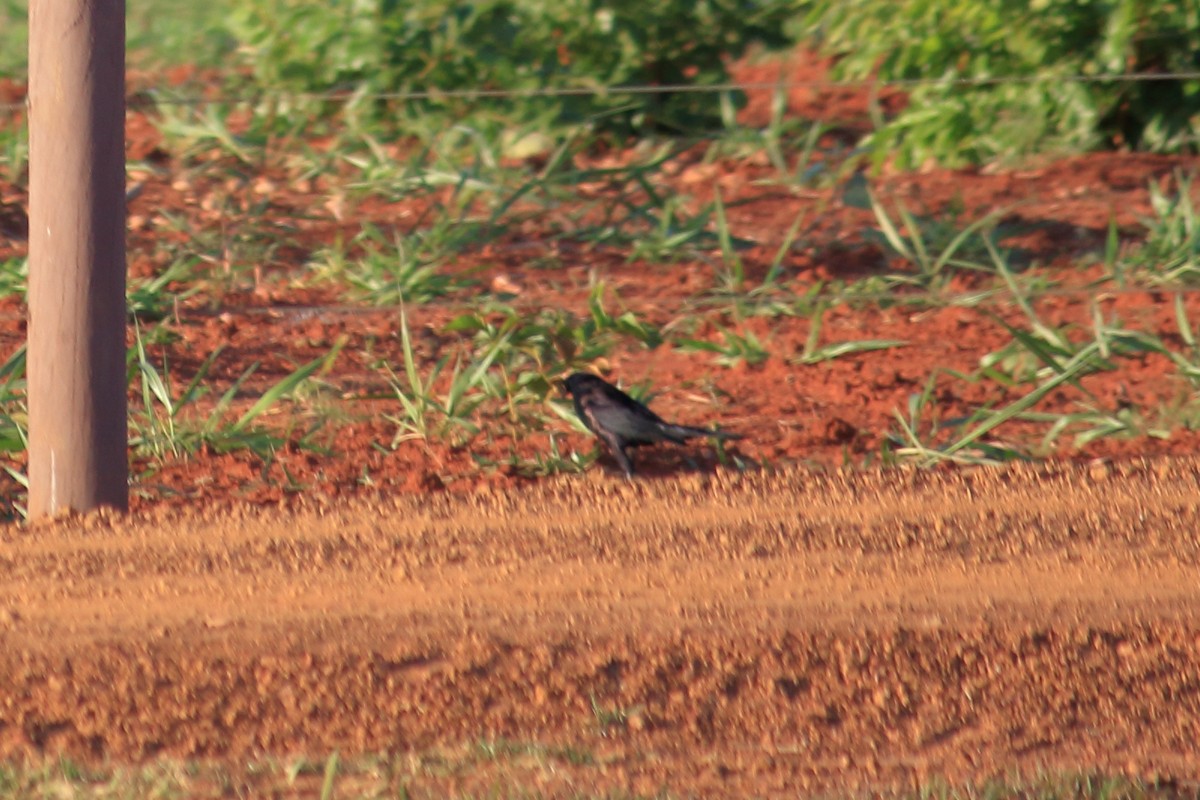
{"points": [[713, 635]]}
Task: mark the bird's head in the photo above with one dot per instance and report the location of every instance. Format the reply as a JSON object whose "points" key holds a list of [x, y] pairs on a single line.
{"points": [[580, 382]]}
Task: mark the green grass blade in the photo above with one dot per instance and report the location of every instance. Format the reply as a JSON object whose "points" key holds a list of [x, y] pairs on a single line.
{"points": [[226, 399], [737, 270], [789, 239], [963, 235], [281, 390], [839, 349], [1069, 373], [195, 389], [889, 229], [153, 386], [1185, 326]]}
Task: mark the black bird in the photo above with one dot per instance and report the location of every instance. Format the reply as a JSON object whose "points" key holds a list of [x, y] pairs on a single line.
{"points": [[620, 421]]}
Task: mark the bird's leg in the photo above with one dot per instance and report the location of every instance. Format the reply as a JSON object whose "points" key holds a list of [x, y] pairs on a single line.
{"points": [[625, 462], [617, 448]]}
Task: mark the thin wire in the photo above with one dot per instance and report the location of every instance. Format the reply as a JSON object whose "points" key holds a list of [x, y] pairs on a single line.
{"points": [[161, 97], [900, 297]]}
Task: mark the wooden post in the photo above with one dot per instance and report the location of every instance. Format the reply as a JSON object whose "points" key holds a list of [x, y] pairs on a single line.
{"points": [[77, 424]]}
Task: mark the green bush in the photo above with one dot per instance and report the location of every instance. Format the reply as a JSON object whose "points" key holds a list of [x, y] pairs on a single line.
{"points": [[527, 45], [1041, 43]]}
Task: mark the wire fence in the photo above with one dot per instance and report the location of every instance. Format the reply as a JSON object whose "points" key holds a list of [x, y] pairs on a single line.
{"points": [[991, 297], [163, 96], [995, 297]]}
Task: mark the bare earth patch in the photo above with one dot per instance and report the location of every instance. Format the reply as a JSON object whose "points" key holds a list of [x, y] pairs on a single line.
{"points": [[716, 635]]}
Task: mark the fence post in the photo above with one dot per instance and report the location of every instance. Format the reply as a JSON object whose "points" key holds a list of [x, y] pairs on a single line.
{"points": [[76, 361]]}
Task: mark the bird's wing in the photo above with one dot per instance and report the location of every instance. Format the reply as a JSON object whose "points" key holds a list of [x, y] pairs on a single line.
{"points": [[585, 405], [622, 415], [604, 416]]}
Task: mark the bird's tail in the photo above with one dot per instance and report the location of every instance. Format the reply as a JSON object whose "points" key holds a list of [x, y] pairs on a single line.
{"points": [[681, 433]]}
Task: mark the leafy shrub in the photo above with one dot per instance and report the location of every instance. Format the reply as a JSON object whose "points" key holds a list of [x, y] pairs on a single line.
{"points": [[1042, 44], [525, 45]]}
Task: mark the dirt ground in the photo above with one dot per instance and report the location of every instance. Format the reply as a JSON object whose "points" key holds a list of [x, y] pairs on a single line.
{"points": [[713, 635], [813, 624]]}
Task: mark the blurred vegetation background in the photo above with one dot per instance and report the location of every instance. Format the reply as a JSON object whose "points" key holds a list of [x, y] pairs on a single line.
{"points": [[992, 79]]}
